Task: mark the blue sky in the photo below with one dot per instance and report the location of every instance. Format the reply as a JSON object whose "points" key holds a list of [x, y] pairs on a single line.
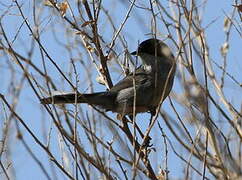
{"points": [[32, 112]]}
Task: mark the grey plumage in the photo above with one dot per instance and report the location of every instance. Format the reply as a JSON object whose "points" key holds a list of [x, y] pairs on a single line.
{"points": [[149, 85]]}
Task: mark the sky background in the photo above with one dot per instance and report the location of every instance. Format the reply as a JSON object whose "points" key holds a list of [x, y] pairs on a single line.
{"points": [[33, 113]]}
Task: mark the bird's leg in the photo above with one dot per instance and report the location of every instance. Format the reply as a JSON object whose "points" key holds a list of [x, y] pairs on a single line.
{"points": [[152, 113], [147, 140]]}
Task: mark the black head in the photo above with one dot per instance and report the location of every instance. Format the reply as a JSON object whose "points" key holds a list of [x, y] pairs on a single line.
{"points": [[153, 47]]}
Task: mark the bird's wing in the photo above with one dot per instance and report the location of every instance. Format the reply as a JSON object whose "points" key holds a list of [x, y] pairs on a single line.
{"points": [[126, 91], [140, 77]]}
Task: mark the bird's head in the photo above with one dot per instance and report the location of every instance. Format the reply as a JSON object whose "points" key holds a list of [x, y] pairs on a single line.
{"points": [[153, 49]]}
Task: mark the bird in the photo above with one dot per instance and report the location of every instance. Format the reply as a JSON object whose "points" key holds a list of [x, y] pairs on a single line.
{"points": [[141, 91]]}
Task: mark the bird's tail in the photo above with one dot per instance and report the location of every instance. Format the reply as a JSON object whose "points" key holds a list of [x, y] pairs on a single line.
{"points": [[103, 99]]}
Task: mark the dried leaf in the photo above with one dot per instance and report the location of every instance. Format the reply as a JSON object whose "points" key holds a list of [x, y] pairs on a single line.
{"points": [[19, 135], [119, 117], [224, 49], [49, 3], [239, 7], [80, 33], [100, 80], [101, 69], [90, 48], [226, 24], [87, 23], [111, 56], [63, 8]]}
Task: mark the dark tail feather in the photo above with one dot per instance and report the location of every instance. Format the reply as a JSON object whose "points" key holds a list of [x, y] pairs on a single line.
{"points": [[103, 99]]}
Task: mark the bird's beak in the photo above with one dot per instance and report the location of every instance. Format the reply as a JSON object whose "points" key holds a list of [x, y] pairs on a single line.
{"points": [[134, 53]]}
